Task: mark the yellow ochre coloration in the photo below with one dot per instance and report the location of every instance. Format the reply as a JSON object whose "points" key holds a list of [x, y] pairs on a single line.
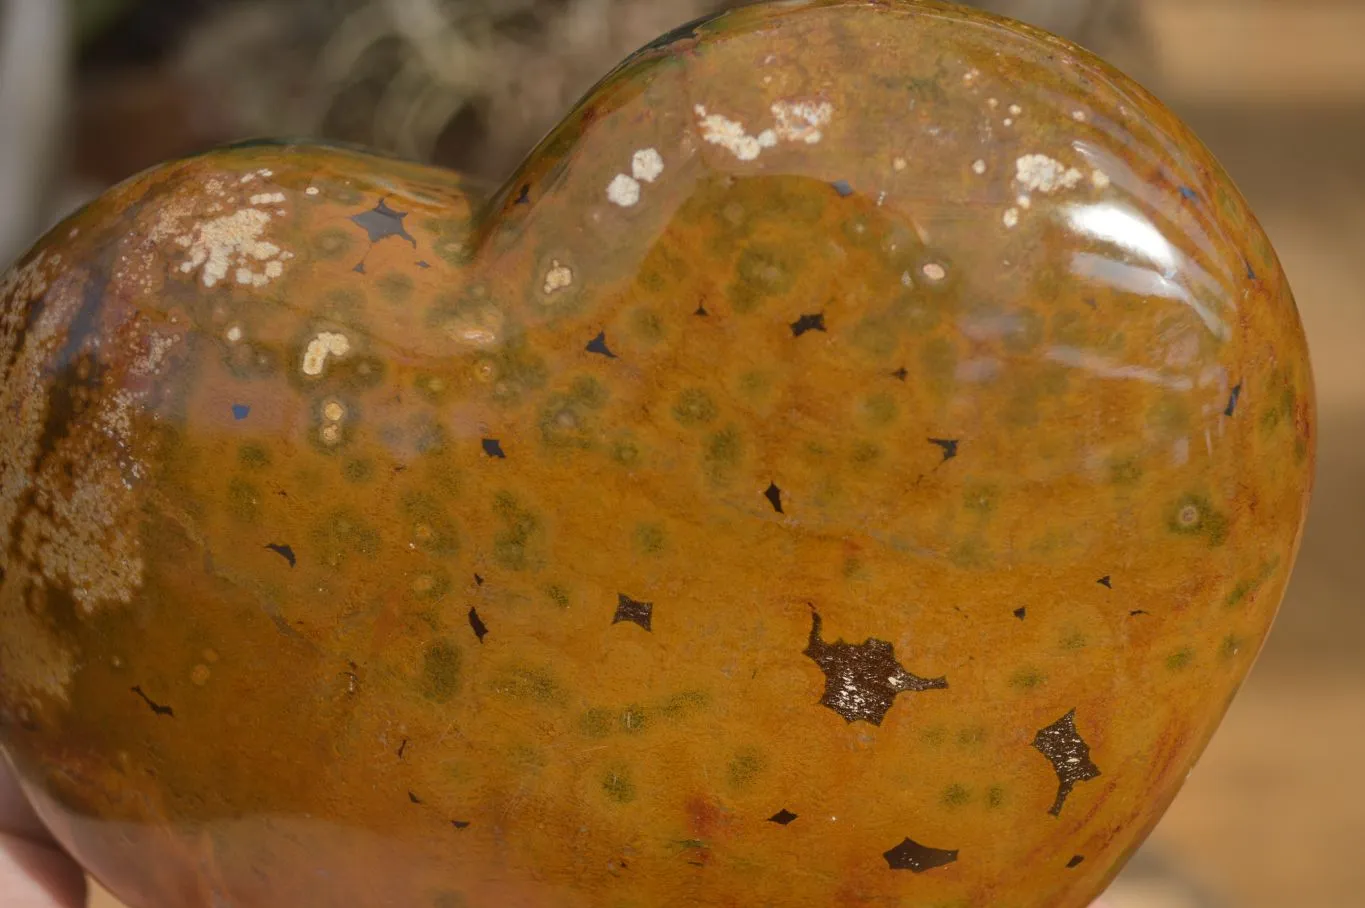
{"points": [[874, 498]]}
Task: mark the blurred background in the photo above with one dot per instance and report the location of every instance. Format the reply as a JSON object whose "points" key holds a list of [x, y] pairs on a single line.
{"points": [[91, 91]]}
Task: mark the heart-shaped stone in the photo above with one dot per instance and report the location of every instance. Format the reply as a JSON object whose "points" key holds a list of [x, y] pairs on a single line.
{"points": [[854, 461]]}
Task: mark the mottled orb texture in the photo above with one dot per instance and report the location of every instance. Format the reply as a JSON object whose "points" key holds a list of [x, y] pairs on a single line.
{"points": [[853, 462]]}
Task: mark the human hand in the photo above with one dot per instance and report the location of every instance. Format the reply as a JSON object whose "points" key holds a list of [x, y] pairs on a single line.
{"points": [[34, 870]]}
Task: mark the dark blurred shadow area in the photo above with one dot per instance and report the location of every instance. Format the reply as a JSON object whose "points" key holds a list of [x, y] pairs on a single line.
{"points": [[95, 90]]}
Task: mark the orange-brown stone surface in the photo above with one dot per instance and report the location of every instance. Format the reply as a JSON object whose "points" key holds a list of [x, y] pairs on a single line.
{"points": [[854, 461]]}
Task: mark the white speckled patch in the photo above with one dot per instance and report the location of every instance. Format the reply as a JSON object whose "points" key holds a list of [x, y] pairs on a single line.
{"points": [[1040, 173], [647, 164], [731, 135], [326, 344], [233, 242], [624, 190], [802, 121]]}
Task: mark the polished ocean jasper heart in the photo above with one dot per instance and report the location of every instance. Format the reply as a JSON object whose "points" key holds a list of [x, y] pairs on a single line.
{"points": [[854, 461]]}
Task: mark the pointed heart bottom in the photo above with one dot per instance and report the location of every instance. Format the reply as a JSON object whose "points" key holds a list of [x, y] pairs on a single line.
{"points": [[755, 452]]}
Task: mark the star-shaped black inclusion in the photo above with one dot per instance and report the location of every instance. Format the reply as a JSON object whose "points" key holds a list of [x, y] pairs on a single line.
{"points": [[862, 680], [628, 609], [1069, 755], [381, 221], [911, 855]]}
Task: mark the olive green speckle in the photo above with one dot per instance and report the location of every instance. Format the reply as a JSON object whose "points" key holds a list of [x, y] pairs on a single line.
{"points": [[684, 703], [537, 685], [995, 797], [972, 736], [694, 407], [331, 243], [618, 786], [934, 735], [745, 767], [431, 529], [633, 720], [626, 452], [244, 500], [647, 325], [981, 499], [588, 391], [1195, 515], [649, 539], [358, 471], [1125, 472], [342, 533], [956, 795], [1180, 659], [596, 722], [1230, 647], [724, 449], [1027, 679], [521, 530], [865, 453], [880, 409], [395, 286], [762, 271], [253, 457], [441, 671]]}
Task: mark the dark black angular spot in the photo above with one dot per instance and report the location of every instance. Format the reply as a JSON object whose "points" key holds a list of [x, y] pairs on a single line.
{"points": [[861, 680], [1105, 581], [701, 310], [1232, 401], [684, 32], [1069, 755], [493, 448], [628, 609], [478, 580], [949, 446], [413, 798], [1075, 861], [598, 345], [806, 323], [1134, 614], [475, 622], [901, 374], [1251, 272], [774, 496], [911, 855], [843, 188], [402, 748], [423, 265], [524, 197], [782, 817], [1021, 613], [359, 267], [155, 707], [460, 824], [382, 222], [285, 552]]}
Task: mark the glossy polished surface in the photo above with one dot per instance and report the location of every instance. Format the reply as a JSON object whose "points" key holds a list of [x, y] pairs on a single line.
{"points": [[854, 461]]}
